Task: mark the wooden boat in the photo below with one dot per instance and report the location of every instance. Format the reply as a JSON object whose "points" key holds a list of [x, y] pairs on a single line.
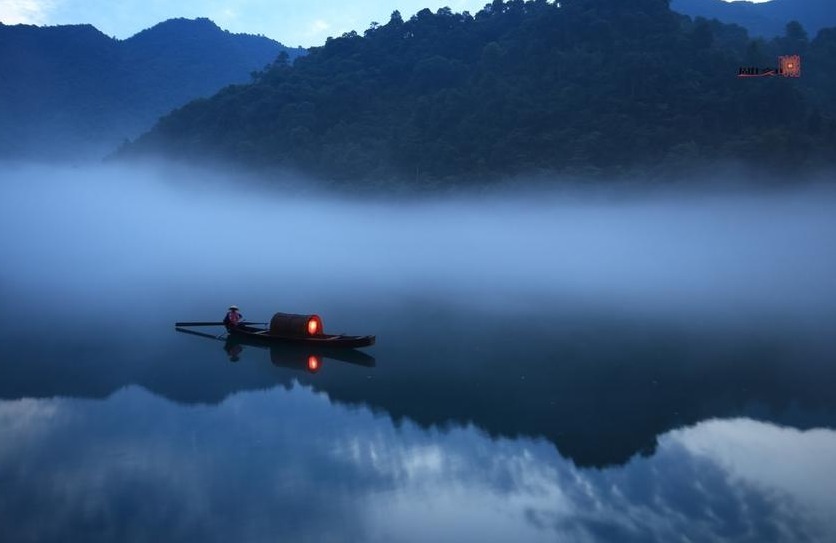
{"points": [[291, 329], [292, 355], [268, 337]]}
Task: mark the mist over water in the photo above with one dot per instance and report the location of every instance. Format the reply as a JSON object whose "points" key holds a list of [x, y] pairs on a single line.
{"points": [[113, 237]]}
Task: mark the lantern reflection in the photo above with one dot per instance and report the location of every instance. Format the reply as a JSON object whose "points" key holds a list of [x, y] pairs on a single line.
{"points": [[313, 364], [296, 359]]}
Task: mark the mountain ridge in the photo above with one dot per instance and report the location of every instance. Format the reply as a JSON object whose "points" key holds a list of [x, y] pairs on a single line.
{"points": [[72, 91], [590, 88]]}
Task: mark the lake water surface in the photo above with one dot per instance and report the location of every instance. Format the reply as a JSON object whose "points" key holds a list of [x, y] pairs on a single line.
{"points": [[550, 365]]}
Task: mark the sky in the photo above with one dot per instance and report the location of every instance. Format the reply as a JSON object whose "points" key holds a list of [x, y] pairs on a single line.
{"points": [[292, 22]]}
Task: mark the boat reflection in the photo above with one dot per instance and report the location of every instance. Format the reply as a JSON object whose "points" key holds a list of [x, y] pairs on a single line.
{"points": [[304, 358], [599, 402], [233, 350]]}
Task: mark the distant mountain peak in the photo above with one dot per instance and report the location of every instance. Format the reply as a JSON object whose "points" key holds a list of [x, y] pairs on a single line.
{"points": [[766, 19], [183, 22], [72, 89], [79, 28], [181, 26]]}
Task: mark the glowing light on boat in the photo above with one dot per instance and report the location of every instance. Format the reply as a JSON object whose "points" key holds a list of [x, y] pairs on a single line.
{"points": [[313, 326]]}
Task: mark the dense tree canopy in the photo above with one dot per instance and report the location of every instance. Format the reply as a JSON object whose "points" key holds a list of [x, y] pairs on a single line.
{"points": [[589, 87]]}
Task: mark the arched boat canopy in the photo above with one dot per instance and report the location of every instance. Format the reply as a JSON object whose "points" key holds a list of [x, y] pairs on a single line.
{"points": [[288, 324]]}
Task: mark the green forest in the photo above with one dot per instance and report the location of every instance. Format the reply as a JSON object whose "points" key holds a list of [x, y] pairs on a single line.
{"points": [[584, 88]]}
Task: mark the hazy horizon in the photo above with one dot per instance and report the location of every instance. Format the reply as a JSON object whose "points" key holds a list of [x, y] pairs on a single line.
{"points": [[727, 254]]}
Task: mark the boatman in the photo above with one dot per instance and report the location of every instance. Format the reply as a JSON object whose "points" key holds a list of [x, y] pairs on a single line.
{"points": [[233, 317]]}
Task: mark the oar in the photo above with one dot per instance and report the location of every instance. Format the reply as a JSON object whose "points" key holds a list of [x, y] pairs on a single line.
{"points": [[181, 324], [192, 332], [201, 334]]}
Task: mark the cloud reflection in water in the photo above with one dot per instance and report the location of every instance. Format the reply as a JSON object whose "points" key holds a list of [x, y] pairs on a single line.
{"points": [[289, 463]]}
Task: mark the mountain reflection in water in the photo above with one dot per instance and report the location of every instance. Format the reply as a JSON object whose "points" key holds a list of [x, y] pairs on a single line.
{"points": [[599, 401], [565, 424], [290, 462]]}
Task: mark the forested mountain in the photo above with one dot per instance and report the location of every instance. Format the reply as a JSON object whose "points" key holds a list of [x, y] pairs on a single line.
{"points": [[583, 87], [73, 91], [767, 19]]}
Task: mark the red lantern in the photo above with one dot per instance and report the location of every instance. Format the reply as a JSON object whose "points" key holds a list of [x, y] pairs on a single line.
{"points": [[313, 326]]}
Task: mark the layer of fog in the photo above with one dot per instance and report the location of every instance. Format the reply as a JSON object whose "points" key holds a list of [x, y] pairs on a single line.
{"points": [[109, 236]]}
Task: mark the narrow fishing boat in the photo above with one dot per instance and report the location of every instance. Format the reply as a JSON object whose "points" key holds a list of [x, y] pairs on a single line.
{"points": [[341, 341], [288, 328], [299, 329], [291, 355]]}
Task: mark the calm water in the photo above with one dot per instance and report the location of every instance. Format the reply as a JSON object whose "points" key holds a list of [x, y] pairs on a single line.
{"points": [[548, 367]]}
